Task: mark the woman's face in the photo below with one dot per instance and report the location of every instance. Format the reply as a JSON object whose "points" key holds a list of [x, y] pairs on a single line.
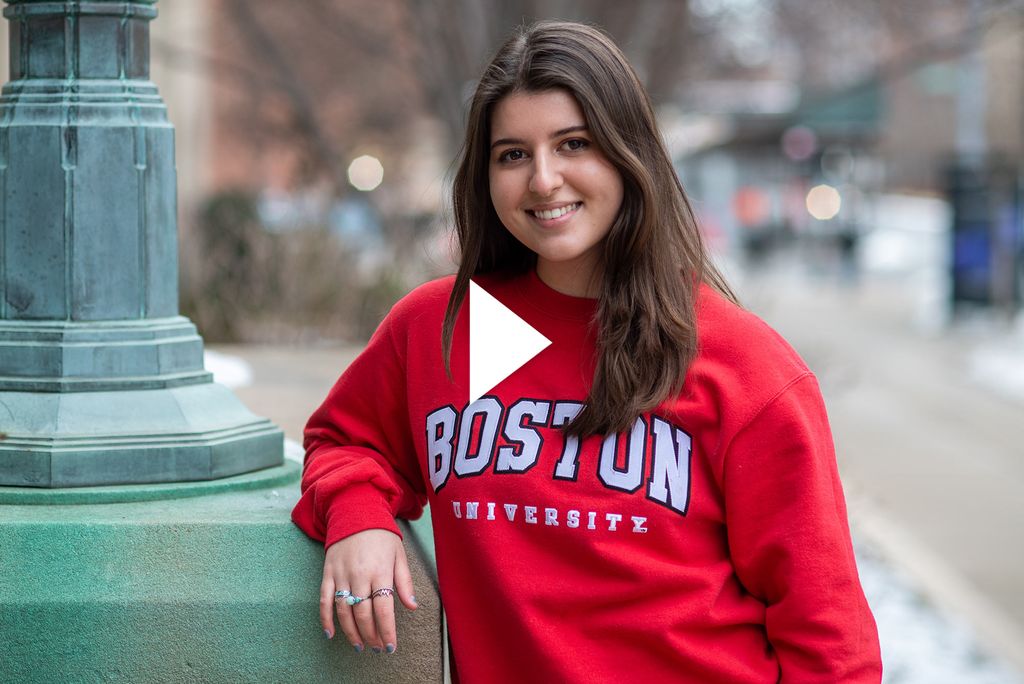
{"points": [[551, 186]]}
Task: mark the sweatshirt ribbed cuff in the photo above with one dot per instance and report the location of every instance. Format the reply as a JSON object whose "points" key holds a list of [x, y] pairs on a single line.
{"points": [[357, 508]]}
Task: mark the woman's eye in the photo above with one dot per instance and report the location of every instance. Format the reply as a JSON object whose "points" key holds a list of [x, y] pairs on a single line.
{"points": [[576, 144], [511, 156]]}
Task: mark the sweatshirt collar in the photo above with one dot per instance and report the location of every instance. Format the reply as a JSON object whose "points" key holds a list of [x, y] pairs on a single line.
{"points": [[554, 303]]}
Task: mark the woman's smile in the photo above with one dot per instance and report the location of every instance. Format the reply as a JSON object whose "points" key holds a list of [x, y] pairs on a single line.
{"points": [[555, 216]]}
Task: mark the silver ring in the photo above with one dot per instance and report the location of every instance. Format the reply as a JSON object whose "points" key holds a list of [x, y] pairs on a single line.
{"points": [[383, 591], [348, 597]]}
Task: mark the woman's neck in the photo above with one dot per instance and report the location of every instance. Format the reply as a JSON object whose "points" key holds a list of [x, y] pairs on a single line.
{"points": [[573, 280]]}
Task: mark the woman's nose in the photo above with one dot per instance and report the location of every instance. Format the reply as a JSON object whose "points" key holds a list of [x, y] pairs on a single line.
{"points": [[546, 177]]}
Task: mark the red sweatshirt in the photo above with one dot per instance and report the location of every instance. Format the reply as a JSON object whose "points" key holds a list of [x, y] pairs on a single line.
{"points": [[709, 543]]}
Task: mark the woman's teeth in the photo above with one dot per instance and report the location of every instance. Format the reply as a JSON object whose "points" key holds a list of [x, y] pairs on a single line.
{"points": [[555, 213]]}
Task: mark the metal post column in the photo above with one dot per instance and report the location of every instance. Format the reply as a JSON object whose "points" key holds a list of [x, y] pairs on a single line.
{"points": [[101, 381]]}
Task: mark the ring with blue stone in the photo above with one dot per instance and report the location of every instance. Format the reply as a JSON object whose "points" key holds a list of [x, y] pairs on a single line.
{"points": [[348, 597]]}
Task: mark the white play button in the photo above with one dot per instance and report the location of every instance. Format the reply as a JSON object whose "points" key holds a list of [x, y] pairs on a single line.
{"points": [[499, 342]]}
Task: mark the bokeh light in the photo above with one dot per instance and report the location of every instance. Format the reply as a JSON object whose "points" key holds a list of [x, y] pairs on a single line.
{"points": [[799, 143], [752, 206], [823, 202], [365, 173]]}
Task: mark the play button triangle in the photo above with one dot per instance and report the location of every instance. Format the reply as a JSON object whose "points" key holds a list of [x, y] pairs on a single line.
{"points": [[500, 342]]}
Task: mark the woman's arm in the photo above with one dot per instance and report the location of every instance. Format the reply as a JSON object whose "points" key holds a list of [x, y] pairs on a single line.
{"points": [[790, 541], [360, 473]]}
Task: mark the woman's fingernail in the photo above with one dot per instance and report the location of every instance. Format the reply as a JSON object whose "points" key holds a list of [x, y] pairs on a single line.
{"points": [[412, 599], [327, 634], [390, 648], [358, 647], [377, 650]]}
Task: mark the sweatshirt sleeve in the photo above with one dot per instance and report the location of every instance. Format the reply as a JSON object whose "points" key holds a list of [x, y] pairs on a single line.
{"points": [[790, 541], [360, 469]]}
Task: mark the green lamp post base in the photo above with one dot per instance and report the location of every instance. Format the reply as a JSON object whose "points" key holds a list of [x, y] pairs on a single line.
{"points": [[174, 434]]}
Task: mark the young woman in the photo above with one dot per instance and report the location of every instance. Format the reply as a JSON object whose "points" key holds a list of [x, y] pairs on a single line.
{"points": [[654, 496]]}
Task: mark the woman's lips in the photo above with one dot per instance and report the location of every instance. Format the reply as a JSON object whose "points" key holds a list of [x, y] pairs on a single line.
{"points": [[555, 215]]}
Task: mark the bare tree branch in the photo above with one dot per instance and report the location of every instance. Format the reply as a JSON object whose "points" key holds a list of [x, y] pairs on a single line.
{"points": [[290, 78]]}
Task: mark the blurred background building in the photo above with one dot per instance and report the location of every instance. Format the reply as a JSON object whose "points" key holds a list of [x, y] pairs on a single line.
{"points": [[314, 140]]}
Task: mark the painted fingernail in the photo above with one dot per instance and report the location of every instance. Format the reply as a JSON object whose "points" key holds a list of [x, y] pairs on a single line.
{"points": [[327, 634], [390, 648], [412, 599], [377, 650], [358, 647]]}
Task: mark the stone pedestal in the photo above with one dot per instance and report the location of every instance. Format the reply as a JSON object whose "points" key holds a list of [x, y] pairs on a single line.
{"points": [[217, 587]]}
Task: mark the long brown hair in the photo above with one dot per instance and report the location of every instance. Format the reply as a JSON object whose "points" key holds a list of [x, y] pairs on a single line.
{"points": [[653, 258]]}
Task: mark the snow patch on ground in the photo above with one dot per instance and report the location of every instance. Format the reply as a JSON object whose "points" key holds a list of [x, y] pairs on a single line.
{"points": [[1000, 368], [293, 451], [920, 643], [229, 371]]}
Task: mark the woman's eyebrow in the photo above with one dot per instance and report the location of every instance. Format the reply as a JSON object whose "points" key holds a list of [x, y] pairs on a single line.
{"points": [[559, 132]]}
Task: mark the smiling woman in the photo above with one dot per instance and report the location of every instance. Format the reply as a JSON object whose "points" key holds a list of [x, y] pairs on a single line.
{"points": [[552, 188], [652, 497]]}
